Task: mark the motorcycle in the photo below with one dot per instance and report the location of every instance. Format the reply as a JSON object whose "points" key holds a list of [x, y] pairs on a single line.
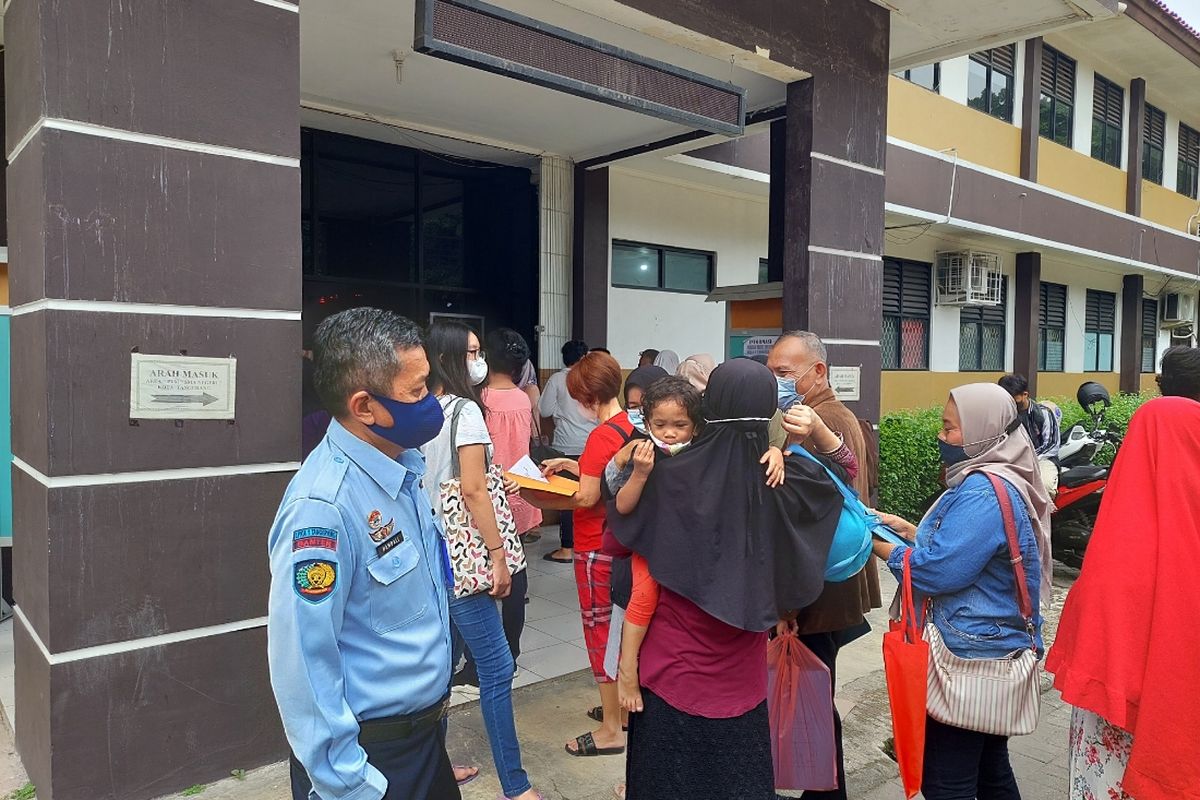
{"points": [[1081, 481]]}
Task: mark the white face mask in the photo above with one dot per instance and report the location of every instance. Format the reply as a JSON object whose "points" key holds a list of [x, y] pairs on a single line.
{"points": [[477, 371], [669, 449]]}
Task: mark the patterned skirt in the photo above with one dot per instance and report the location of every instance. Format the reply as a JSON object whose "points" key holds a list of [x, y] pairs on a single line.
{"points": [[1099, 756]]}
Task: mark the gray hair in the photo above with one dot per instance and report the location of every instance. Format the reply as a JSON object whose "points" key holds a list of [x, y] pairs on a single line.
{"points": [[355, 350], [812, 343]]}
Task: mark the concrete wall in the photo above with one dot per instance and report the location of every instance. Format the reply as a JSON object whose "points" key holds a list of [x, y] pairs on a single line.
{"points": [[656, 210]]}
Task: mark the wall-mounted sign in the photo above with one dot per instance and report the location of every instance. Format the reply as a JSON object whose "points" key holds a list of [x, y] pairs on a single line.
{"points": [[758, 345], [181, 387], [845, 382]]}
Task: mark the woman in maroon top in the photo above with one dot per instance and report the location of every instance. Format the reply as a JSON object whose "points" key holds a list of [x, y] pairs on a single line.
{"points": [[732, 557], [594, 382]]}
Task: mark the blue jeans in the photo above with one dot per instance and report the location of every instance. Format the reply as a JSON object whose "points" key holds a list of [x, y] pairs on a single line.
{"points": [[478, 622]]}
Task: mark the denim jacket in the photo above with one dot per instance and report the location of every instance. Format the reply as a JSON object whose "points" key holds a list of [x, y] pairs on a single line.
{"points": [[961, 562]]}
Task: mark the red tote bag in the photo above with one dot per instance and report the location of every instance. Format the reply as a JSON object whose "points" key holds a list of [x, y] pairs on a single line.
{"points": [[906, 666]]}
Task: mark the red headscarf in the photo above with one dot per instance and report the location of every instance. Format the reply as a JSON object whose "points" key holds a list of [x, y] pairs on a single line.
{"points": [[1128, 646]]}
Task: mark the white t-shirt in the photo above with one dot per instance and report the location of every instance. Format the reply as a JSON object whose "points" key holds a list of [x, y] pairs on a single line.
{"points": [[572, 424], [439, 466]]}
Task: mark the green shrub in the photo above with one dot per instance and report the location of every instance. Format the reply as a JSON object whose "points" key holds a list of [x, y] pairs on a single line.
{"points": [[909, 463], [1116, 418]]}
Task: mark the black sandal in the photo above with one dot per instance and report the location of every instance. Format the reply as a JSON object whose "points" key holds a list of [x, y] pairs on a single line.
{"points": [[586, 745], [597, 713]]}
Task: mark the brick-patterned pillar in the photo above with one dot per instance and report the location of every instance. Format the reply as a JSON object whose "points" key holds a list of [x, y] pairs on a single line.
{"points": [[1026, 313], [154, 206], [556, 193], [590, 247], [833, 181], [1133, 288]]}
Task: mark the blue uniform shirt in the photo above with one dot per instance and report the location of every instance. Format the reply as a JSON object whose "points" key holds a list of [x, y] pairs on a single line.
{"points": [[358, 626]]}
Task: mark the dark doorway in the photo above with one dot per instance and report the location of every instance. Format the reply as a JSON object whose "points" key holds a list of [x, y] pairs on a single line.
{"points": [[420, 233]]}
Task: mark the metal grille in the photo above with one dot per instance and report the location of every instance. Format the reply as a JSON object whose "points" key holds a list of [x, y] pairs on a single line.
{"points": [[914, 341], [890, 343], [1189, 145], [1149, 334], [1149, 317], [518, 46], [1001, 58], [1155, 128], [1108, 102], [1052, 312], [1058, 75], [1101, 312], [906, 288]]}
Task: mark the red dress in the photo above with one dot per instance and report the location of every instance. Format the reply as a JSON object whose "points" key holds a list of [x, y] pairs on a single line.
{"points": [[1128, 646]]}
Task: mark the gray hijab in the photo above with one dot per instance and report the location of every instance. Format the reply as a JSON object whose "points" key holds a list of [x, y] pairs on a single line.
{"points": [[668, 360], [987, 411]]}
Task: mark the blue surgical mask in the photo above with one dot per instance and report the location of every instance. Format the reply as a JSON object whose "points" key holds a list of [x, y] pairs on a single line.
{"points": [[788, 396], [952, 453], [413, 424], [637, 419]]}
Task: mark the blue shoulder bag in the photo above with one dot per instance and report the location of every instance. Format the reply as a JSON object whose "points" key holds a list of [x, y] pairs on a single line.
{"points": [[851, 547]]}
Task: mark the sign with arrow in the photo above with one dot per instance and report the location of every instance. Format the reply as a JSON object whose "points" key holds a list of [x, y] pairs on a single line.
{"points": [[181, 387]]}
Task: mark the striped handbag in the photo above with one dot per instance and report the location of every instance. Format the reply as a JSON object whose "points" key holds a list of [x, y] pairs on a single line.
{"points": [[999, 696]]}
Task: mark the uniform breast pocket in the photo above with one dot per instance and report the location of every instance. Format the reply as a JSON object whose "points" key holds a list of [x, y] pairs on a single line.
{"points": [[398, 595]]}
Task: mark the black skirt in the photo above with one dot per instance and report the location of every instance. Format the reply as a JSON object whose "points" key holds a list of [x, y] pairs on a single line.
{"points": [[675, 755]]}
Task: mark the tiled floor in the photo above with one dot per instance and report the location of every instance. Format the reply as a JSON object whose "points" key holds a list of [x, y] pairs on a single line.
{"points": [[552, 643]]}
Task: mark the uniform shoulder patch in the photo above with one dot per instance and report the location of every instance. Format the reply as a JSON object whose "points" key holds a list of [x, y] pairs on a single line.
{"points": [[325, 538], [315, 579]]}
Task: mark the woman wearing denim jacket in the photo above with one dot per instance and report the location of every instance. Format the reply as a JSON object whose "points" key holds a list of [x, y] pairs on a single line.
{"points": [[961, 562]]}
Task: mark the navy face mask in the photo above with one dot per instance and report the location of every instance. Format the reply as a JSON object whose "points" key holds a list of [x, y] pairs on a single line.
{"points": [[413, 424], [952, 453]]}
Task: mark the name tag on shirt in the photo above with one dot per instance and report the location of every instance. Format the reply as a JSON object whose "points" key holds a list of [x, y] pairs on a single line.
{"points": [[387, 546]]}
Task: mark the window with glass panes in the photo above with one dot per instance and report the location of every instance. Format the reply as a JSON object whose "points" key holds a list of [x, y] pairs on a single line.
{"points": [[1052, 326], [764, 271], [990, 81], [1100, 322], [1108, 115], [928, 76], [1058, 96], [651, 266], [1189, 161], [1155, 133], [981, 335], [907, 293], [1149, 335]]}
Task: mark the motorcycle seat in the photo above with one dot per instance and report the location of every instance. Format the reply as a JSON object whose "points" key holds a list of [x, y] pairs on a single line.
{"points": [[1077, 476]]}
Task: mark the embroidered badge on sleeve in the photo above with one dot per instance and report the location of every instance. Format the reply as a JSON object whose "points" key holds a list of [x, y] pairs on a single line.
{"points": [[324, 538], [315, 579]]}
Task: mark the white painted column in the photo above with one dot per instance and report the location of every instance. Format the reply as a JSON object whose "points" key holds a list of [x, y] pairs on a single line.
{"points": [[1085, 101], [556, 190], [954, 79], [1171, 152]]}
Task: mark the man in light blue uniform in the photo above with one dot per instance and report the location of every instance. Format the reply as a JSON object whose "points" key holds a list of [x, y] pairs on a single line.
{"points": [[358, 629]]}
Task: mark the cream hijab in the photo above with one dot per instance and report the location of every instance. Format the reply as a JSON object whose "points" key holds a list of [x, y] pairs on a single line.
{"points": [[696, 369], [987, 412]]}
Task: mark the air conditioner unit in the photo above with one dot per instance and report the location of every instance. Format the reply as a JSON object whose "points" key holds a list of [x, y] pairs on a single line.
{"points": [[968, 278], [1178, 308]]}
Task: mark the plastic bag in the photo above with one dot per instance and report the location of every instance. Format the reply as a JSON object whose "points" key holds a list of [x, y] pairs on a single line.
{"points": [[800, 708], [906, 666]]}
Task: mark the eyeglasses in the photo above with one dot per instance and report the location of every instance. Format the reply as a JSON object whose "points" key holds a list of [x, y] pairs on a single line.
{"points": [[476, 352]]}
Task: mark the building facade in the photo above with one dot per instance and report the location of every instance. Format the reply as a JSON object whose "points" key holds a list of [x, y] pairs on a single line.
{"points": [[189, 180]]}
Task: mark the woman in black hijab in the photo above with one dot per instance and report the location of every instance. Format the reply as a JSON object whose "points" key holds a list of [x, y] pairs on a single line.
{"points": [[731, 556]]}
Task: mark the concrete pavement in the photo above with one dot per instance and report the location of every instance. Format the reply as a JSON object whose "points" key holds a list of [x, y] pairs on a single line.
{"points": [[552, 711]]}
